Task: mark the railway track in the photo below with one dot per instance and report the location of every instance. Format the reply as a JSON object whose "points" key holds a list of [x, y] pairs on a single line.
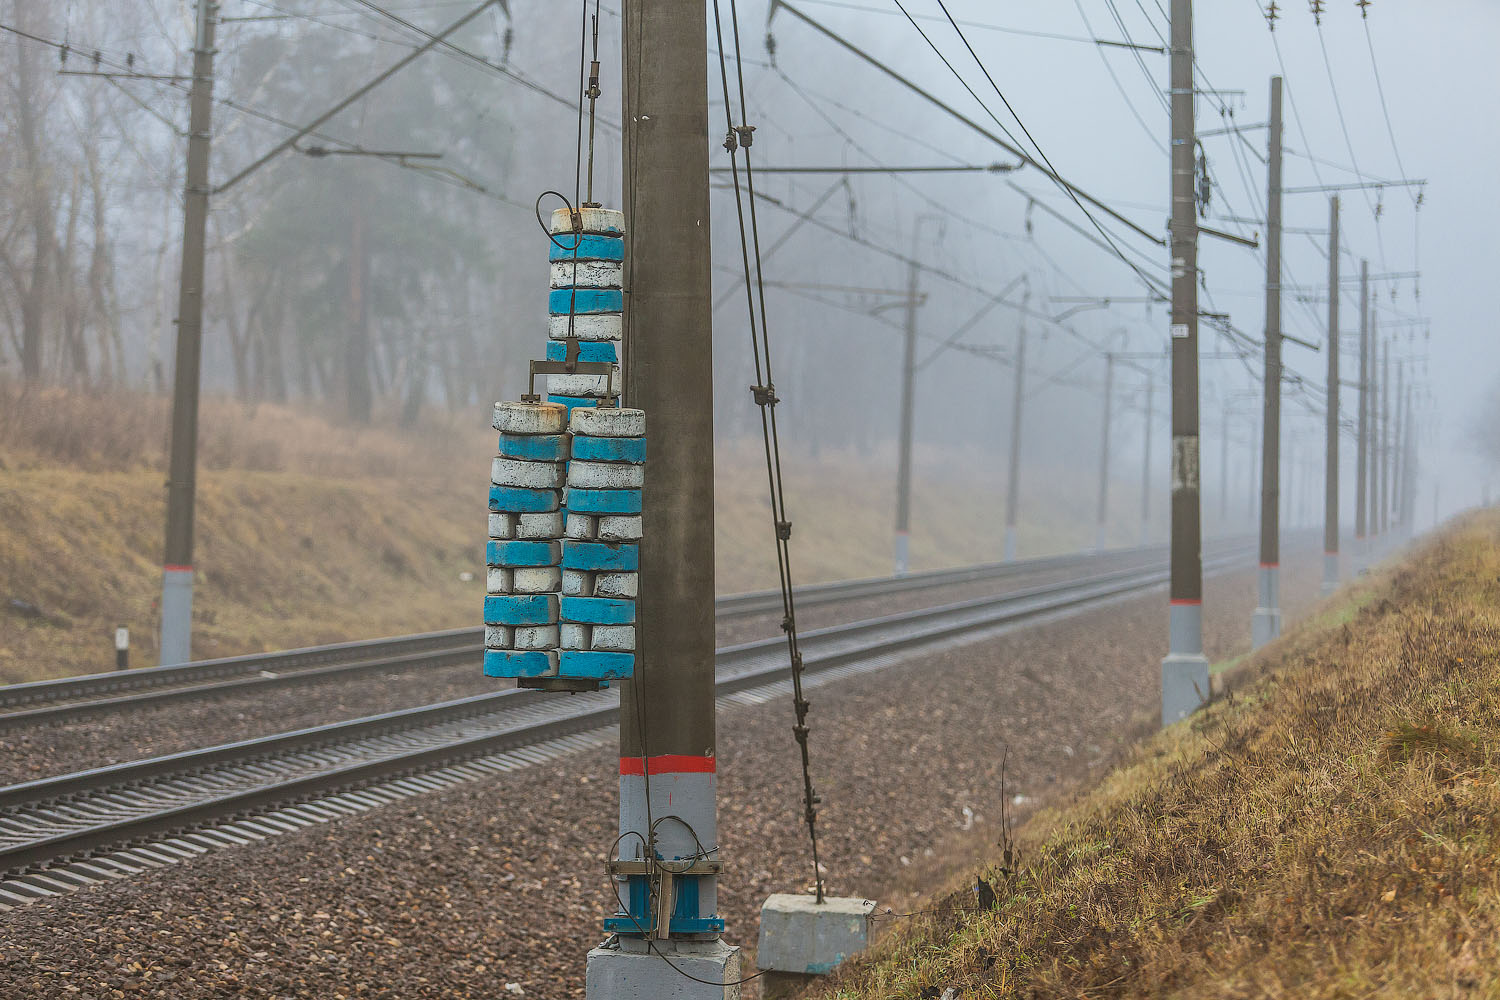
{"points": [[71, 698], [58, 833]]}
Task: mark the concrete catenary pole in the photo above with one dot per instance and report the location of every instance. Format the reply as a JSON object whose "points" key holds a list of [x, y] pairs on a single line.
{"points": [[668, 740], [1398, 452], [1372, 494], [1266, 623], [1184, 671], [1109, 389], [1013, 475], [1146, 461], [1224, 470], [1383, 452], [1362, 446], [902, 549], [182, 475], [1331, 459]]}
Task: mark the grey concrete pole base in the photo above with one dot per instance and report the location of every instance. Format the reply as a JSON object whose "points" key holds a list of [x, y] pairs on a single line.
{"points": [[1185, 686], [176, 616], [1265, 626], [629, 970]]}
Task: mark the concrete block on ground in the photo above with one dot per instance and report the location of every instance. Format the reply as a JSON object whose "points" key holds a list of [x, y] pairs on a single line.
{"points": [[800, 935], [630, 971], [605, 475], [608, 422], [529, 418]]}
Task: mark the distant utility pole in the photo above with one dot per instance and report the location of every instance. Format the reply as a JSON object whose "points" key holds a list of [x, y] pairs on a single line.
{"points": [[1331, 464], [1266, 622], [1146, 461], [668, 733], [1362, 447], [1384, 451], [1184, 671], [908, 404], [1013, 483], [1398, 456], [1224, 469], [1109, 388], [177, 566]]}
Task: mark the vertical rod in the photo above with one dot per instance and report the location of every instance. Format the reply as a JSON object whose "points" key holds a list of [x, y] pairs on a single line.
{"points": [[1331, 459], [1384, 451], [1398, 441], [1372, 493], [1146, 462], [908, 408], [1109, 389], [1013, 480], [1224, 470], [668, 736], [1266, 623], [1362, 447], [182, 475]]}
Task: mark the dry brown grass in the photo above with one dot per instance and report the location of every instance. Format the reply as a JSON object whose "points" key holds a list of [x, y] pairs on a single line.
{"points": [[1331, 829]]}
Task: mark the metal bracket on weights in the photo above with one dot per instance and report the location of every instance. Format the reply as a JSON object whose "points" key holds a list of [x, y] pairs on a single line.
{"points": [[572, 366]]}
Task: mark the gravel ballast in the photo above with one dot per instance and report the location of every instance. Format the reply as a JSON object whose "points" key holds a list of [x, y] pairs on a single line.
{"points": [[465, 891]]}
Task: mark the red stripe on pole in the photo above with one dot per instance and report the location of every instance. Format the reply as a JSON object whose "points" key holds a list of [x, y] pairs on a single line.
{"points": [[1185, 602], [177, 569], [668, 763], [1270, 565]]}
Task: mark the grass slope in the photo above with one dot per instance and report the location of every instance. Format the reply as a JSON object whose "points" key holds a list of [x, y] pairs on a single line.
{"points": [[309, 532], [1330, 829]]}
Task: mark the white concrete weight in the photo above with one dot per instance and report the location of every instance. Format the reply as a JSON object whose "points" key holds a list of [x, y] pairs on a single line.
{"points": [[548, 525], [620, 528], [575, 636], [502, 525], [592, 386], [530, 418], [595, 220], [608, 422], [536, 637], [499, 636], [616, 585], [526, 475], [536, 580], [588, 274], [614, 638], [589, 326], [605, 475], [498, 580], [584, 527], [577, 583]]}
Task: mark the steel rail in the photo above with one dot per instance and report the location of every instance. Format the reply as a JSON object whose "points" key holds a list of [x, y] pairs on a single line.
{"points": [[70, 698], [75, 815]]}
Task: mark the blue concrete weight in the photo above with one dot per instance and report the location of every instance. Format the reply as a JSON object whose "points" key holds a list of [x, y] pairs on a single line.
{"points": [[572, 402], [588, 350], [597, 449], [520, 609], [596, 611], [604, 501], [600, 556], [518, 663], [514, 500], [589, 247], [507, 553], [582, 301], [534, 447], [600, 666]]}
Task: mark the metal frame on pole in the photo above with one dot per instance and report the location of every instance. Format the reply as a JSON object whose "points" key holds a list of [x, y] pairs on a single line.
{"points": [[1331, 462], [182, 475], [1184, 671], [1266, 622]]}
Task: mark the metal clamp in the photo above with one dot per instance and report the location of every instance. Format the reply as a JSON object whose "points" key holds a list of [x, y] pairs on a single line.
{"points": [[572, 366]]}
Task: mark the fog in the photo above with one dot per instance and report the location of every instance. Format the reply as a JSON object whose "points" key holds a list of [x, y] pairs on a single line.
{"points": [[382, 287]]}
